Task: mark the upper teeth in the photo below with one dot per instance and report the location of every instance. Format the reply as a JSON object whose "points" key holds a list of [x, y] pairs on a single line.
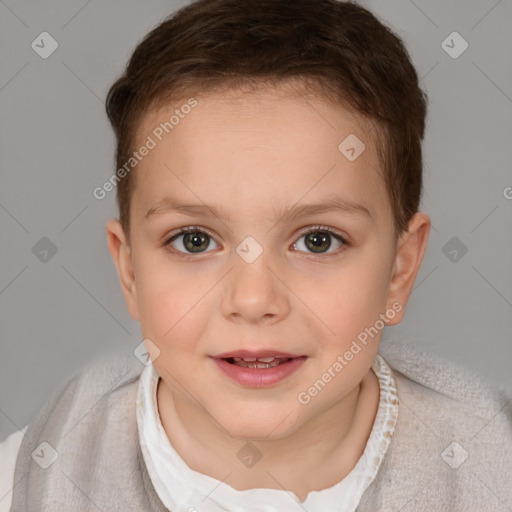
{"points": [[253, 359]]}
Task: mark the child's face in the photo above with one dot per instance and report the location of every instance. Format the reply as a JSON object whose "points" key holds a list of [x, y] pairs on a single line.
{"points": [[252, 160]]}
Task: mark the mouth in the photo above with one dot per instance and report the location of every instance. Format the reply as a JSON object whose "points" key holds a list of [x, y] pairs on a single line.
{"points": [[258, 369], [258, 362]]}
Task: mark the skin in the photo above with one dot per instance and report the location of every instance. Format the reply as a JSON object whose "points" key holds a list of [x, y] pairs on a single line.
{"points": [[255, 154]]}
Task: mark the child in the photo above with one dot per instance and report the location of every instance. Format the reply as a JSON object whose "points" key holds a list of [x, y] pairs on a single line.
{"points": [[269, 174]]}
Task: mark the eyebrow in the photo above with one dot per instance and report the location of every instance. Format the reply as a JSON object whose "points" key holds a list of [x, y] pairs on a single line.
{"points": [[335, 204]]}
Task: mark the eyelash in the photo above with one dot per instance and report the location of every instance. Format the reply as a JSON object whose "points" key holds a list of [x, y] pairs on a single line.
{"points": [[314, 229]]}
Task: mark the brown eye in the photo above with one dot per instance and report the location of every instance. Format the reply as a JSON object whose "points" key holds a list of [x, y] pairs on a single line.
{"points": [[319, 241], [190, 241]]}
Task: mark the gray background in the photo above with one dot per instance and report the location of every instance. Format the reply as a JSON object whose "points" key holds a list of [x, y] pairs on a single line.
{"points": [[56, 146]]}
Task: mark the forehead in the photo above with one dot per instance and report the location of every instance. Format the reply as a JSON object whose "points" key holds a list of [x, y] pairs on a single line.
{"points": [[247, 151]]}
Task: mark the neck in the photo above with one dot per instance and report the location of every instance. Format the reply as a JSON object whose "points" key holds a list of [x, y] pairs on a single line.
{"points": [[316, 456]]}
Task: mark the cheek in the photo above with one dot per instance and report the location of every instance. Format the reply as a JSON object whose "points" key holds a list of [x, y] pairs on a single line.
{"points": [[171, 305], [354, 298]]}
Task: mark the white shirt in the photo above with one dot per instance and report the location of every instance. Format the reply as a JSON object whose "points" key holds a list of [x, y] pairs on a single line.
{"points": [[182, 489], [8, 453]]}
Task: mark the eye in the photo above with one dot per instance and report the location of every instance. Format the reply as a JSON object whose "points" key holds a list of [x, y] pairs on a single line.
{"points": [[319, 240], [191, 240]]}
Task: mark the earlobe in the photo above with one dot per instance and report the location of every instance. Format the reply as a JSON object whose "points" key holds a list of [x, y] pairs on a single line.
{"points": [[409, 256], [121, 254]]}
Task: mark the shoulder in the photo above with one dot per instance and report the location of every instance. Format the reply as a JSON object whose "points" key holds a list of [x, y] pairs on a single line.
{"points": [[86, 434], [102, 389], [106, 375], [108, 372], [442, 386], [93, 391], [452, 446], [94, 409]]}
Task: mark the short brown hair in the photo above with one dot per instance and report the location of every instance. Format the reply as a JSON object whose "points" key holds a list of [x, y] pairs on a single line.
{"points": [[338, 49]]}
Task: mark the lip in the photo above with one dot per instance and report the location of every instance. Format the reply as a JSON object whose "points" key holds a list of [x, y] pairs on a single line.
{"points": [[258, 377], [257, 354]]}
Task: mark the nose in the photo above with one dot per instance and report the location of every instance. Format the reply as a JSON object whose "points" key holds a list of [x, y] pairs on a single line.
{"points": [[255, 292]]}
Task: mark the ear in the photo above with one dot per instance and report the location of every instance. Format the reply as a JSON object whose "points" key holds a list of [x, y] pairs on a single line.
{"points": [[409, 255], [121, 254]]}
